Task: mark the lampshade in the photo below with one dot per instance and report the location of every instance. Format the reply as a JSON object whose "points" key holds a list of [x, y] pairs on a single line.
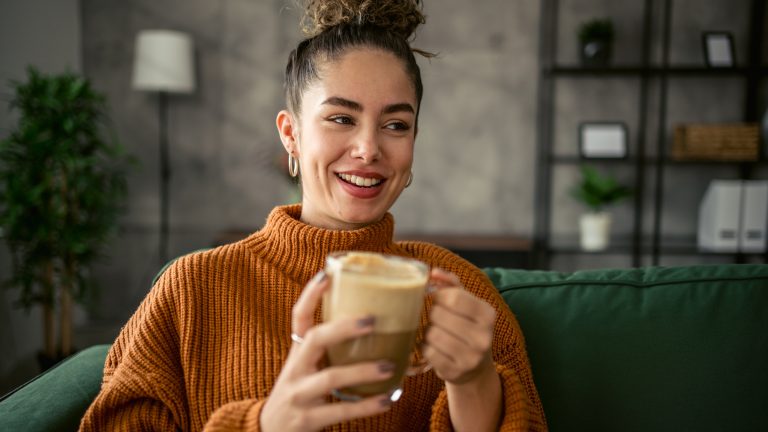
{"points": [[164, 62]]}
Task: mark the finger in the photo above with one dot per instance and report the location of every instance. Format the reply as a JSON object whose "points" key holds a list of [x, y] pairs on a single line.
{"points": [[450, 357], [475, 335], [320, 384], [304, 309], [439, 278], [446, 343], [328, 414], [465, 304], [443, 364], [319, 338]]}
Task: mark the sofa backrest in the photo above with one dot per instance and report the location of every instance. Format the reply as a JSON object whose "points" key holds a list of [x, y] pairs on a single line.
{"points": [[682, 348], [58, 398]]}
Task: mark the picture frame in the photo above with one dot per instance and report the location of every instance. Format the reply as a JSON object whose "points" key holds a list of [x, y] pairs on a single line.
{"points": [[603, 140], [718, 49]]}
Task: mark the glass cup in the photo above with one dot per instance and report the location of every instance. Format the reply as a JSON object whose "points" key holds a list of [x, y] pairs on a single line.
{"points": [[390, 288]]}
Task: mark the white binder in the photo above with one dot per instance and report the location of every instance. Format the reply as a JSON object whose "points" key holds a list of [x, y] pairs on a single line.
{"points": [[719, 217], [754, 216]]}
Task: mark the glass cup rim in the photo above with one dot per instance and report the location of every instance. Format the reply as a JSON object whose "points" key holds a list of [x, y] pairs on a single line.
{"points": [[422, 266]]}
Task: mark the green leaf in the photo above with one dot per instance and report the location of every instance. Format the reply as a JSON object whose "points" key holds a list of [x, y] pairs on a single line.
{"points": [[62, 177], [596, 191]]}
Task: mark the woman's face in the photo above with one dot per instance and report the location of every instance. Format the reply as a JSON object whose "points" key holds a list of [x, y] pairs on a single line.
{"points": [[354, 139]]}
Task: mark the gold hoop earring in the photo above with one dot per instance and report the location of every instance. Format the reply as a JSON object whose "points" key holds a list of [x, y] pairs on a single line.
{"points": [[410, 179], [293, 166]]}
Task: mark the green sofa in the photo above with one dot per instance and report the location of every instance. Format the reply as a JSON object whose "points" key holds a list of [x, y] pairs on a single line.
{"points": [[660, 349]]}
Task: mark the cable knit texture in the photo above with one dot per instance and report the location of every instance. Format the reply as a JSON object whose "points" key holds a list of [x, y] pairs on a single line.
{"points": [[205, 347]]}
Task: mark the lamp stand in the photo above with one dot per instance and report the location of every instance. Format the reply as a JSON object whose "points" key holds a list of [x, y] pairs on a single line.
{"points": [[165, 174]]}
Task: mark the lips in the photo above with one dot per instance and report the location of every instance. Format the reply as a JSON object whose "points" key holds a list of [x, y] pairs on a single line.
{"points": [[361, 184]]}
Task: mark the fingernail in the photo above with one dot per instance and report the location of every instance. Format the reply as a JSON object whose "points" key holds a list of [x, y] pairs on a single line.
{"points": [[366, 322], [386, 366], [385, 401]]}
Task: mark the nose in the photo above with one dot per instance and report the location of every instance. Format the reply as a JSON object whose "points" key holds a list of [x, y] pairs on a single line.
{"points": [[366, 146]]}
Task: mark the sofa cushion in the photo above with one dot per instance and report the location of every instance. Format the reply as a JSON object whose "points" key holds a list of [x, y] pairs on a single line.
{"points": [[56, 399], [682, 348]]}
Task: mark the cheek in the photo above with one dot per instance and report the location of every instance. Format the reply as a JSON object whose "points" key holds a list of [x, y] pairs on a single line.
{"points": [[403, 157]]}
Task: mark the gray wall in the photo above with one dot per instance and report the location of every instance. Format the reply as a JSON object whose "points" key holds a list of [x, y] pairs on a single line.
{"points": [[475, 154], [44, 33], [473, 157]]}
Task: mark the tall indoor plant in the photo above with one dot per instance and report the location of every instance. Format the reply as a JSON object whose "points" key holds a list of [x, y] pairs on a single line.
{"points": [[62, 183], [597, 192]]}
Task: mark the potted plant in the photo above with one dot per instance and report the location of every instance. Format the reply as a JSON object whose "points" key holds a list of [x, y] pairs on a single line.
{"points": [[597, 192], [596, 42], [62, 184]]}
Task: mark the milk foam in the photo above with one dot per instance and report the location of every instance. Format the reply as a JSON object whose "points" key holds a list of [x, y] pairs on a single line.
{"points": [[390, 289]]}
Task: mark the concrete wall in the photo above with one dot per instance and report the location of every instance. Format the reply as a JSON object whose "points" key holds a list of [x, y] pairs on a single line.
{"points": [[44, 33]]}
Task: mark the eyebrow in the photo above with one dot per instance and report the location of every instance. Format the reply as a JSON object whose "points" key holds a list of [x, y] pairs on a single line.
{"points": [[389, 109]]}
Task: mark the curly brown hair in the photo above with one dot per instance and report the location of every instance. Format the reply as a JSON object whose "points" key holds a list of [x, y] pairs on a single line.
{"points": [[335, 26], [398, 16]]}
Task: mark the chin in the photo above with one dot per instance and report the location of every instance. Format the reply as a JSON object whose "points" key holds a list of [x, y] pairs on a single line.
{"points": [[362, 214]]}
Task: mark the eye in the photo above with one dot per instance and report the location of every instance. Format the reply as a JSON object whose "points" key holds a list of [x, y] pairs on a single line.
{"points": [[398, 126], [341, 119]]}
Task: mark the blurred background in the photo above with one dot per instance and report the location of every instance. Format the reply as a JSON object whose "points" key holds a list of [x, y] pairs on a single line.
{"points": [[498, 146]]}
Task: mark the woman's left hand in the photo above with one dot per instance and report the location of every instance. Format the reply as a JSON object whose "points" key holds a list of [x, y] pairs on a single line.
{"points": [[460, 335]]}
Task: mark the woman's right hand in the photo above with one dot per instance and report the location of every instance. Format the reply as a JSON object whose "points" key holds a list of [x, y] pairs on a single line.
{"points": [[298, 401]]}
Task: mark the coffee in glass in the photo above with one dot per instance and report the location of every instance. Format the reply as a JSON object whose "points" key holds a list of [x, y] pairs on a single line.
{"points": [[391, 289]]}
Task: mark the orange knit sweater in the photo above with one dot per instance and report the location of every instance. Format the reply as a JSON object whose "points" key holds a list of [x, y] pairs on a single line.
{"points": [[207, 344]]}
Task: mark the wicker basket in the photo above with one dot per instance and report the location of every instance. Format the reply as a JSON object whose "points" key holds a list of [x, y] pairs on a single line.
{"points": [[726, 142]]}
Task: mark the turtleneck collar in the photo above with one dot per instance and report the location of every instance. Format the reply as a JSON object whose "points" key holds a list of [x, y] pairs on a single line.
{"points": [[300, 249]]}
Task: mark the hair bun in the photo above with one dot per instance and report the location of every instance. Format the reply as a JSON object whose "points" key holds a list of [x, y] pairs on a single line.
{"points": [[401, 17]]}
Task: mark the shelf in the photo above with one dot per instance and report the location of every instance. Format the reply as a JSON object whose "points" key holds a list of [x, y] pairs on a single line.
{"points": [[683, 246], [668, 161], [578, 160], [639, 71], [649, 160]]}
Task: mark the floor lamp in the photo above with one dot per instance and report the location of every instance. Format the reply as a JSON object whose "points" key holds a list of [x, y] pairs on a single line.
{"points": [[163, 64]]}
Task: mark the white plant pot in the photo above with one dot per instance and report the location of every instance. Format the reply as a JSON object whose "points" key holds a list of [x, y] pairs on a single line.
{"points": [[595, 229]]}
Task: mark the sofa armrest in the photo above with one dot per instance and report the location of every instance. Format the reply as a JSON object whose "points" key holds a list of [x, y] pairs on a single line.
{"points": [[58, 398]]}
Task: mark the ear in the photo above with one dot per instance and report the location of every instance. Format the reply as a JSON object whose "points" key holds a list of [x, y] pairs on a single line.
{"points": [[287, 127]]}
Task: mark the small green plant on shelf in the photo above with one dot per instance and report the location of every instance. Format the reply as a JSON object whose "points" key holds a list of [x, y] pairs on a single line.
{"points": [[596, 42], [597, 192]]}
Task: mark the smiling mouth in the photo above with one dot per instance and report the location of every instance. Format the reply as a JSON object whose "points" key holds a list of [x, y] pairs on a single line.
{"points": [[360, 181]]}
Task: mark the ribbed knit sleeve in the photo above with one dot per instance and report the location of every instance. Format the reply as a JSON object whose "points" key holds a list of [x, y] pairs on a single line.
{"points": [[236, 416], [522, 409], [144, 380], [142, 387]]}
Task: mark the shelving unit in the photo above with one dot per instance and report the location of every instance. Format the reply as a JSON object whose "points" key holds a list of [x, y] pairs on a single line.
{"points": [[640, 162]]}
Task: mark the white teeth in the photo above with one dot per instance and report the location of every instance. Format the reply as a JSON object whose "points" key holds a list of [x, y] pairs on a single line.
{"points": [[359, 181]]}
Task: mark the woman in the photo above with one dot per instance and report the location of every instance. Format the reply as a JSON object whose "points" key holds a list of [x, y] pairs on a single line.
{"points": [[228, 339]]}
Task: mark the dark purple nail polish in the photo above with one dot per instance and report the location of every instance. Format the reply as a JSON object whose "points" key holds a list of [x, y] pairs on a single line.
{"points": [[366, 322], [386, 366]]}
